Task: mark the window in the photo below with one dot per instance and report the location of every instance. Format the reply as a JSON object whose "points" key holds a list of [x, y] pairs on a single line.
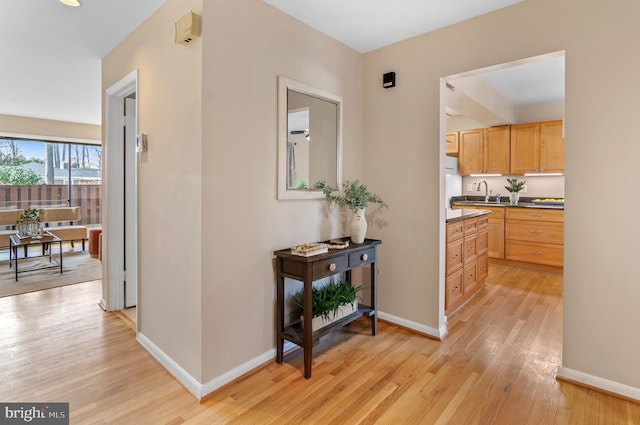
{"points": [[41, 174]]}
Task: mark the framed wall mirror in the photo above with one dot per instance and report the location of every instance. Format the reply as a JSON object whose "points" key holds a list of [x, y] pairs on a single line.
{"points": [[309, 140]]}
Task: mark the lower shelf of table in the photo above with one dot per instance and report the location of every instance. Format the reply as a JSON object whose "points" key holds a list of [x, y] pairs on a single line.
{"points": [[295, 333]]}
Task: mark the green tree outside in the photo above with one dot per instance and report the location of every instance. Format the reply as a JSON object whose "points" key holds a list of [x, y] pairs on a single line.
{"points": [[17, 175]]}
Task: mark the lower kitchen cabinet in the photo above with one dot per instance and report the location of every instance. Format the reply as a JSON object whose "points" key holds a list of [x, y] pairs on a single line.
{"points": [[535, 236], [466, 262]]}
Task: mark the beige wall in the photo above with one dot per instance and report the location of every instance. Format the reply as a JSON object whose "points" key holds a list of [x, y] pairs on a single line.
{"points": [[209, 215], [601, 292], [169, 179], [246, 46], [11, 125]]}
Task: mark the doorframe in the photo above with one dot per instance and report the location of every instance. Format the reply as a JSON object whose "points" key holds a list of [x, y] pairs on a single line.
{"points": [[113, 222]]}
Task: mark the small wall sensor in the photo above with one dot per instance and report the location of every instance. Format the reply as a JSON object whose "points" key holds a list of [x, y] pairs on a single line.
{"points": [[141, 142], [389, 80]]}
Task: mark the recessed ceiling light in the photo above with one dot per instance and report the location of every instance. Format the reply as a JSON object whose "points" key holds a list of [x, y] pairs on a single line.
{"points": [[72, 3]]}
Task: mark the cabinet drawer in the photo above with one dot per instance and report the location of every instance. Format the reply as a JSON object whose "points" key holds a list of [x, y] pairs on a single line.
{"points": [[483, 222], [535, 231], [328, 267], [470, 249], [537, 214], [470, 226], [454, 256], [360, 258], [483, 269], [455, 231], [470, 279], [482, 245], [539, 253], [453, 291]]}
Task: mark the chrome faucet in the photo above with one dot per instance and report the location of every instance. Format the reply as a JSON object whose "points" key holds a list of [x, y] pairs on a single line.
{"points": [[486, 190]]}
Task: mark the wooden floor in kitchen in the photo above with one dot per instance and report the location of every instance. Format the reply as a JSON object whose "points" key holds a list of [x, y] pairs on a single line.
{"points": [[496, 366]]}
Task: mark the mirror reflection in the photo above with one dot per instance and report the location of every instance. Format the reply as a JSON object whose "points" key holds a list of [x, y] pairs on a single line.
{"points": [[309, 145]]}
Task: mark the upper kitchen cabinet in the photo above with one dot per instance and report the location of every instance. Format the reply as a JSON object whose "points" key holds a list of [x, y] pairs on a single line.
{"points": [[551, 147], [537, 148], [485, 151], [452, 143]]}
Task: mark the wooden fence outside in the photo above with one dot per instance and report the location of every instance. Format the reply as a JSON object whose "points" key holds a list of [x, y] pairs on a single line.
{"points": [[86, 196]]}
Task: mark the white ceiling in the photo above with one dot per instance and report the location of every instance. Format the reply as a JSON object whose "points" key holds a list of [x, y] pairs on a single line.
{"points": [[52, 53]]}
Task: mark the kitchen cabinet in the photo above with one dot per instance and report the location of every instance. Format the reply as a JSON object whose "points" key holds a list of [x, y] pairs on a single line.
{"points": [[535, 236], [485, 150], [466, 262], [537, 148], [452, 138], [495, 229]]}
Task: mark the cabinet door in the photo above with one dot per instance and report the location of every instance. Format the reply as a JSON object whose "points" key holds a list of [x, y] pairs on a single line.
{"points": [[525, 148], [471, 152], [496, 238], [452, 143], [497, 147], [551, 147]]}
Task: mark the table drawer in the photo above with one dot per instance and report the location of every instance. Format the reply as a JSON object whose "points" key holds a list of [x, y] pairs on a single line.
{"points": [[328, 267], [360, 258]]}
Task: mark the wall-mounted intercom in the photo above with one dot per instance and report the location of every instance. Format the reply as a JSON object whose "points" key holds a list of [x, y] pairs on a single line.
{"points": [[187, 28]]}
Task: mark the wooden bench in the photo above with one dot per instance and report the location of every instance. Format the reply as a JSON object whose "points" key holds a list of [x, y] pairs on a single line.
{"points": [[53, 219]]}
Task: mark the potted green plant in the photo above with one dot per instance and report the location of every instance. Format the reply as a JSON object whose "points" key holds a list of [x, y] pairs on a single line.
{"points": [[355, 196], [329, 303], [28, 222], [514, 189]]}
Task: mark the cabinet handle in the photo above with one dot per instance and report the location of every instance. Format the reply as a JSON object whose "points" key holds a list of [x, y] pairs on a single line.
{"points": [[332, 267], [470, 276], [364, 257], [455, 288], [454, 257], [535, 253], [470, 248], [535, 215]]}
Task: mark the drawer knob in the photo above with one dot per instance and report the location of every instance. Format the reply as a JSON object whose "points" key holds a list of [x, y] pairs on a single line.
{"points": [[364, 257], [455, 288], [470, 276], [332, 267], [453, 257]]}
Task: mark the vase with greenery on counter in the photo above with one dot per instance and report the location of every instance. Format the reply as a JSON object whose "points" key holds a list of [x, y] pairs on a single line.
{"points": [[356, 196], [514, 189]]}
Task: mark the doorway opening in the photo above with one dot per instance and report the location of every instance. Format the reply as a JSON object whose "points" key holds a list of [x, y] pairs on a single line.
{"points": [[491, 105], [120, 283]]}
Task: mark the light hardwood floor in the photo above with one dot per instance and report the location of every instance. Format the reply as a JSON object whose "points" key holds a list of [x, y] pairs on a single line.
{"points": [[496, 366]]}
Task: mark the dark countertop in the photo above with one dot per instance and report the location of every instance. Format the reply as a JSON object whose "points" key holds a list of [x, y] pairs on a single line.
{"points": [[524, 203], [463, 214]]}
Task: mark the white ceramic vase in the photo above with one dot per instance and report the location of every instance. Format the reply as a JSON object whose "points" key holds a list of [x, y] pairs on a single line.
{"points": [[514, 197], [358, 226]]}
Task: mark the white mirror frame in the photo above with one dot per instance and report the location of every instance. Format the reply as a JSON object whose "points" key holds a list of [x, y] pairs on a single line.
{"points": [[284, 85]]}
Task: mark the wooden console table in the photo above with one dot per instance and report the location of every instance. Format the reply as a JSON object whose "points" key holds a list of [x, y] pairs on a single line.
{"points": [[309, 269]]}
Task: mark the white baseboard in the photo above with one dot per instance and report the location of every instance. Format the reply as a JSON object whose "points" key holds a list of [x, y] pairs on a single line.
{"points": [[428, 330], [196, 388], [172, 367], [598, 383]]}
